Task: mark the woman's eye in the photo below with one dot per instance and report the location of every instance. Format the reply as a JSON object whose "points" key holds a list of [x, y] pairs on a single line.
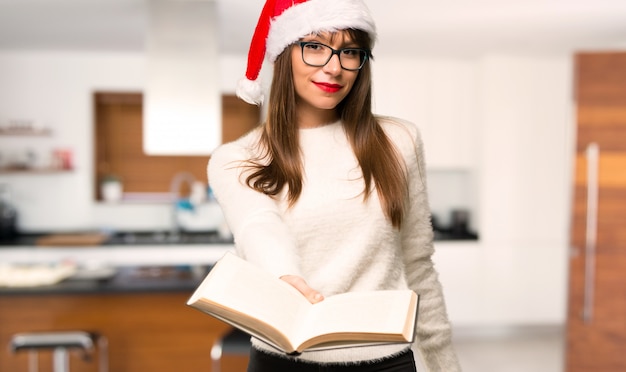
{"points": [[350, 52], [313, 46]]}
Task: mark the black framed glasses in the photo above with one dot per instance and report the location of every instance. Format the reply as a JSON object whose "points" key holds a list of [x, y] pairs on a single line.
{"points": [[317, 55]]}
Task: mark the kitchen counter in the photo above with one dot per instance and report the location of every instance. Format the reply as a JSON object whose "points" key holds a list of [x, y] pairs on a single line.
{"points": [[128, 262], [141, 249], [132, 289], [157, 237], [129, 279], [147, 330], [117, 255], [123, 249], [186, 257]]}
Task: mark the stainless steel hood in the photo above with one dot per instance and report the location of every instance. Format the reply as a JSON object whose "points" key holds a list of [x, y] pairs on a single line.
{"points": [[182, 99]]}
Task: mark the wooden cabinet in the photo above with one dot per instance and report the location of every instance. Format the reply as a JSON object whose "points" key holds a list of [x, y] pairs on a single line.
{"points": [[596, 324], [146, 331], [119, 151]]}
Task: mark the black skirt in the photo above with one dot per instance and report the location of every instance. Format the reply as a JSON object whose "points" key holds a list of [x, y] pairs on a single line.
{"points": [[264, 362]]}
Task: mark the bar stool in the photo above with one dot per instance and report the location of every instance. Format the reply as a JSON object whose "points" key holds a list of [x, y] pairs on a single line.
{"points": [[232, 342], [60, 343]]}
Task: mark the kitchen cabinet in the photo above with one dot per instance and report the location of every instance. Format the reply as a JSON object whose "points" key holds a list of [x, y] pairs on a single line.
{"points": [[182, 115], [441, 103], [141, 310], [459, 266], [119, 148], [515, 275], [154, 332]]}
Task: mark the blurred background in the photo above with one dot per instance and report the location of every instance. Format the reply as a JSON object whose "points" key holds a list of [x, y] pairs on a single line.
{"points": [[109, 110]]}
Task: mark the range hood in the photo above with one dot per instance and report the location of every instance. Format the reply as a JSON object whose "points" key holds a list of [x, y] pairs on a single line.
{"points": [[182, 100]]}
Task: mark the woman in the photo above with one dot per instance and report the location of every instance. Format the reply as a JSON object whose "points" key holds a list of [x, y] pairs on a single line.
{"points": [[325, 195]]}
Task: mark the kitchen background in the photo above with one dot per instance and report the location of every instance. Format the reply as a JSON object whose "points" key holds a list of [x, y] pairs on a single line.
{"points": [[491, 91]]}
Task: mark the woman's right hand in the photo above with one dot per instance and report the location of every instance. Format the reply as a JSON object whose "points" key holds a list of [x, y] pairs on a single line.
{"points": [[300, 284]]}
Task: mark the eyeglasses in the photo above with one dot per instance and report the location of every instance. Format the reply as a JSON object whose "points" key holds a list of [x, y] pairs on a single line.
{"points": [[317, 55]]}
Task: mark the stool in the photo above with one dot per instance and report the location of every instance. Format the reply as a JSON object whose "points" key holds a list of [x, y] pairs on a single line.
{"points": [[233, 342], [60, 343]]}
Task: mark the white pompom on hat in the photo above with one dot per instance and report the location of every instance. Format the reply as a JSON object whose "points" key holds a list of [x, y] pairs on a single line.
{"points": [[283, 22]]}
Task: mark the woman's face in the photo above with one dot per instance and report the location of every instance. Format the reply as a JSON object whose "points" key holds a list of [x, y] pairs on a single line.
{"points": [[320, 89]]}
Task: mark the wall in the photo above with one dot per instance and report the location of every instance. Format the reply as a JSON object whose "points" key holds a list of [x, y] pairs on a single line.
{"points": [[499, 126], [55, 89]]}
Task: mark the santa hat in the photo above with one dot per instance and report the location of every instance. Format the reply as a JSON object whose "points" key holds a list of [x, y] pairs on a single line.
{"points": [[283, 22]]}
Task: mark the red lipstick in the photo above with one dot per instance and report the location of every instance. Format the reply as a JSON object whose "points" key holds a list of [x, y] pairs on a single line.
{"points": [[327, 87]]}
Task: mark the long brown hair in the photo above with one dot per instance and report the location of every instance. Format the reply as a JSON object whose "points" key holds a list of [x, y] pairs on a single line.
{"points": [[279, 163]]}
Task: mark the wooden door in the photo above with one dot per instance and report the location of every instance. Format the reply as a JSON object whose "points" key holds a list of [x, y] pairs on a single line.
{"points": [[596, 324]]}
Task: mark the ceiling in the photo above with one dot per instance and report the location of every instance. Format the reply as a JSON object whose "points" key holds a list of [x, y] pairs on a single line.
{"points": [[462, 28]]}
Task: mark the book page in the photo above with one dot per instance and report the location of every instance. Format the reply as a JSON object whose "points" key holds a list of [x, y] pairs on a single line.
{"points": [[242, 289], [380, 312]]}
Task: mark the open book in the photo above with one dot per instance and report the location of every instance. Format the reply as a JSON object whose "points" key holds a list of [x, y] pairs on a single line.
{"points": [[243, 295]]}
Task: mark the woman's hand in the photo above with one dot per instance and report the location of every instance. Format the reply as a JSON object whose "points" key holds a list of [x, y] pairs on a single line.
{"points": [[298, 283]]}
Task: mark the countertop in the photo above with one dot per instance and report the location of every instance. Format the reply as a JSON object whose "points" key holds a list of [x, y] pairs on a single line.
{"points": [[141, 262], [142, 279], [157, 237], [122, 249], [131, 262]]}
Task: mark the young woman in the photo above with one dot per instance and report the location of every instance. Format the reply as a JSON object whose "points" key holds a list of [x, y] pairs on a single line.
{"points": [[324, 194]]}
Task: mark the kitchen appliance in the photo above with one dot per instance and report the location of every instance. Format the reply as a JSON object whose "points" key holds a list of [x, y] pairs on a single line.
{"points": [[459, 221], [8, 215]]}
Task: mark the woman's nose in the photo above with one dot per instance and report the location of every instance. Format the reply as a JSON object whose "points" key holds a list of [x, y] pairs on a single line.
{"points": [[333, 66]]}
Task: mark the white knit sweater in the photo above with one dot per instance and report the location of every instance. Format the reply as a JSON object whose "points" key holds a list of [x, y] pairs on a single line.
{"points": [[335, 240]]}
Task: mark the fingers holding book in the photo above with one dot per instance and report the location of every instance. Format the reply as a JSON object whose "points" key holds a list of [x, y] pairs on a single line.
{"points": [[300, 284]]}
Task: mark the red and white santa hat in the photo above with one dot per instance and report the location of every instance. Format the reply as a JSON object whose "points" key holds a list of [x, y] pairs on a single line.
{"points": [[283, 22]]}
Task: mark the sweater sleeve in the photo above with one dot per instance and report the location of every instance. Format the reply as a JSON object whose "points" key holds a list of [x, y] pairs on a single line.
{"points": [[260, 234], [434, 341]]}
